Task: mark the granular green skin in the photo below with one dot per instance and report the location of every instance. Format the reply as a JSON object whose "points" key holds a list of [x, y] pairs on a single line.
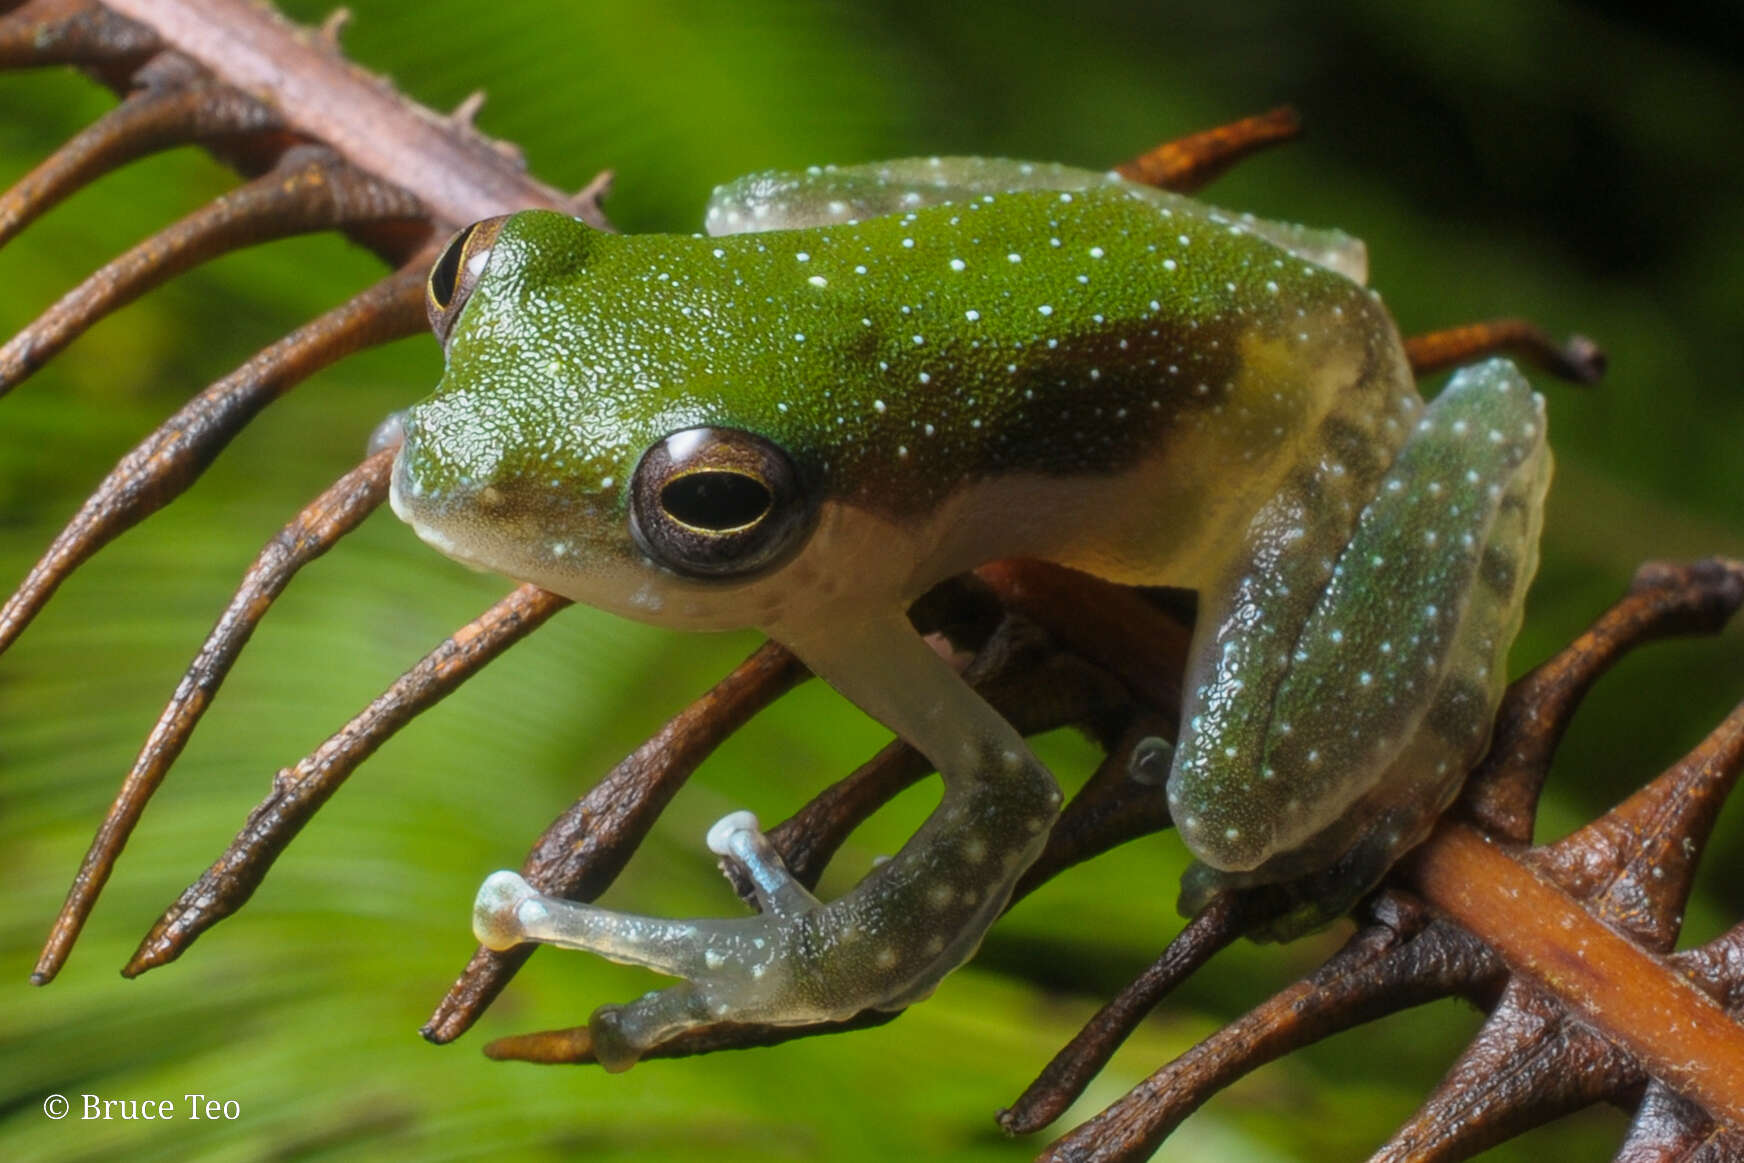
{"points": [[894, 359]]}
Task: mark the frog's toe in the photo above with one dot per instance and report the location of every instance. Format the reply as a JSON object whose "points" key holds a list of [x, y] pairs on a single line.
{"points": [[740, 843], [1151, 758], [496, 911]]}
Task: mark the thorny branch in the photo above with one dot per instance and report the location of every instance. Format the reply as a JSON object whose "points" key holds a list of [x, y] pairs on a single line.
{"points": [[1474, 913]]}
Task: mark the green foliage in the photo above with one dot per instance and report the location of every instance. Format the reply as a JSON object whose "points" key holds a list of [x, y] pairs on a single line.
{"points": [[1563, 161]]}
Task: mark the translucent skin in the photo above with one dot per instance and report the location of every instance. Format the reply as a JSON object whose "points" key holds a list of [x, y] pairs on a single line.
{"points": [[966, 360]]}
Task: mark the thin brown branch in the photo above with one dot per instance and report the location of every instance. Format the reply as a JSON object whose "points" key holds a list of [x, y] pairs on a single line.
{"points": [[457, 174], [1188, 163], [154, 118], [174, 455], [1664, 599], [1577, 359], [574, 1045], [298, 792], [315, 530], [1073, 1069], [310, 190], [1384, 968]]}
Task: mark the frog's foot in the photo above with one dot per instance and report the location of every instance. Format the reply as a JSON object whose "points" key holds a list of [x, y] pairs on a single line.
{"points": [[883, 946], [732, 968]]}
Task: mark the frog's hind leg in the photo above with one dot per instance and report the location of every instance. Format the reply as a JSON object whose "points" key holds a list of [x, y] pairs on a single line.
{"points": [[884, 944], [1397, 673]]}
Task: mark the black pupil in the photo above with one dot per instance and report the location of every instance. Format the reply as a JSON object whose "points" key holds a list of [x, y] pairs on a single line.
{"points": [[716, 500], [447, 269]]}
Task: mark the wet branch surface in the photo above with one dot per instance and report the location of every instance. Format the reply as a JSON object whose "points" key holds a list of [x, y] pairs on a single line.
{"points": [[1567, 947]]}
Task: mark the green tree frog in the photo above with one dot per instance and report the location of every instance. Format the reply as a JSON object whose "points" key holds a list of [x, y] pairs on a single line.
{"points": [[867, 379]]}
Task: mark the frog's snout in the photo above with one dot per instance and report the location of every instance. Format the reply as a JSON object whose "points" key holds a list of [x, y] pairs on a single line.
{"points": [[434, 489], [413, 491], [407, 493]]}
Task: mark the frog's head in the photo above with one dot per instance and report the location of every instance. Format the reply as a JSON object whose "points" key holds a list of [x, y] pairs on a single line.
{"points": [[565, 447]]}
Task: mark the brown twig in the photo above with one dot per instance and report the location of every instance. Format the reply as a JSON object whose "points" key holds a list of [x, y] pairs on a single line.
{"points": [[311, 190], [1637, 998], [315, 530], [1188, 163], [1577, 359], [298, 792], [156, 117], [1407, 956], [1064, 1078], [172, 457]]}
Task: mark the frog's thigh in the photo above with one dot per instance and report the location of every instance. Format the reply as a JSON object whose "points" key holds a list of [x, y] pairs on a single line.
{"points": [[1394, 679], [830, 195]]}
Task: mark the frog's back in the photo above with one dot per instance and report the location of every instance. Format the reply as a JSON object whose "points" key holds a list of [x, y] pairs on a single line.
{"points": [[1073, 336]]}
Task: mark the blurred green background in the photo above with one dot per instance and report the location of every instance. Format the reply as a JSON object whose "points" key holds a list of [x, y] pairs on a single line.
{"points": [[1576, 163]]}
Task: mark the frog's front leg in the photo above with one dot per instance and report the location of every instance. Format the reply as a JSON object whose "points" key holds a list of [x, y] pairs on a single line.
{"points": [[1385, 693], [883, 945]]}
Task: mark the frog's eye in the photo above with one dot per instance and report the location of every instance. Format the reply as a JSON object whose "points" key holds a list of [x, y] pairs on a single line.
{"points": [[456, 272], [718, 502]]}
